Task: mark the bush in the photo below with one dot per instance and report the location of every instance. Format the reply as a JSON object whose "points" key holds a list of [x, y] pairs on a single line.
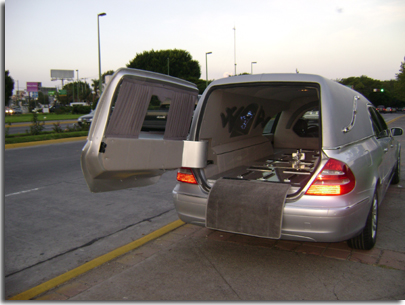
{"points": [[80, 109], [36, 127], [63, 110], [57, 128]]}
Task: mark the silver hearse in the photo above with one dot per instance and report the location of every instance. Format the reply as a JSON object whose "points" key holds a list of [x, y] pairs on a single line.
{"points": [[281, 156]]}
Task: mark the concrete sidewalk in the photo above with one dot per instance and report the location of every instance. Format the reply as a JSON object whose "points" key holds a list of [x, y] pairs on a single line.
{"points": [[195, 263]]}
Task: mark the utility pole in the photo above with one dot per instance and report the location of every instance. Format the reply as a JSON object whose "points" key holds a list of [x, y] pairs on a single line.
{"points": [[78, 98], [234, 42]]}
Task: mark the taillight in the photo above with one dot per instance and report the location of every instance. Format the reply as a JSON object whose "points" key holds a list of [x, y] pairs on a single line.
{"points": [[186, 175], [336, 178]]}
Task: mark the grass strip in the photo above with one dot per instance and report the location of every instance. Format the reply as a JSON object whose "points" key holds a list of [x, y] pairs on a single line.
{"points": [[22, 118], [44, 137]]}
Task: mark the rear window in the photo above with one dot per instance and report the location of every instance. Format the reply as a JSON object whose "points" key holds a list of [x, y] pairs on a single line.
{"points": [[307, 126]]}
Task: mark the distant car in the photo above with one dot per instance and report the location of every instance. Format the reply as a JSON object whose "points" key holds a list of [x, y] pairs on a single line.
{"points": [[14, 110], [381, 108], [17, 110], [281, 156], [156, 119], [390, 110], [86, 119]]}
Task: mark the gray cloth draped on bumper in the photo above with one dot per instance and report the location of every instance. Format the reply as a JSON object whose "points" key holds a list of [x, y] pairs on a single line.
{"points": [[247, 207]]}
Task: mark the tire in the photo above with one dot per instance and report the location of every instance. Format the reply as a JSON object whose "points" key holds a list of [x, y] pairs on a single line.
{"points": [[396, 178], [368, 237]]}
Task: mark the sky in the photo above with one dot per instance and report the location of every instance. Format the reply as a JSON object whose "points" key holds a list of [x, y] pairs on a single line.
{"points": [[332, 38]]}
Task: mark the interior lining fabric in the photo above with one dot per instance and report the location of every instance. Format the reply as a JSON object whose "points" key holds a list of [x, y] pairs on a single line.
{"points": [[247, 207], [132, 104]]}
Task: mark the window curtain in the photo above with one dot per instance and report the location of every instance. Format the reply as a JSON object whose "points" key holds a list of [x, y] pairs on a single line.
{"points": [[129, 111], [132, 104], [179, 116]]}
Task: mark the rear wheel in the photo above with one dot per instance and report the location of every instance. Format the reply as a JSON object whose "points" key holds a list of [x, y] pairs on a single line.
{"points": [[368, 237]]}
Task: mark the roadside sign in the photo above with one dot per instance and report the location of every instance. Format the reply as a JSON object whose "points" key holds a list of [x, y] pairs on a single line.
{"points": [[34, 94], [33, 86], [62, 92]]}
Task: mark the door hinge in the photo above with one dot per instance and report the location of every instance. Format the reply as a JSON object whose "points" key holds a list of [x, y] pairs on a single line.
{"points": [[102, 147]]}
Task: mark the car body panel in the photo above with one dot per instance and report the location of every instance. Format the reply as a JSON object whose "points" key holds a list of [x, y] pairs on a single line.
{"points": [[114, 139]]}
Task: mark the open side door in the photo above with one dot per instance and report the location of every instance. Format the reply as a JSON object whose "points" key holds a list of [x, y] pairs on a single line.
{"points": [[117, 155]]}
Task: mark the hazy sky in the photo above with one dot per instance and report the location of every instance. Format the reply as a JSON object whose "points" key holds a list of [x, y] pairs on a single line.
{"points": [[332, 38]]}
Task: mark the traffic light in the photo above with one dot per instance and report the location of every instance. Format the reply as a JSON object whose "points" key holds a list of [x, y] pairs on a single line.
{"points": [[382, 90]]}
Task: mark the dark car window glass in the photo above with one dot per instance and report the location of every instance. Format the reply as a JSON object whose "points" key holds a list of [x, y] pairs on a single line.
{"points": [[378, 123], [271, 125], [307, 126]]}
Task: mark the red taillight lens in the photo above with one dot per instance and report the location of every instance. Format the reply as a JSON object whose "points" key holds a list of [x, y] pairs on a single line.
{"points": [[186, 175], [336, 178]]}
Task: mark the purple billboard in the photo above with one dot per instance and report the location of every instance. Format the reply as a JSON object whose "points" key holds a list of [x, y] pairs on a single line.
{"points": [[33, 86]]}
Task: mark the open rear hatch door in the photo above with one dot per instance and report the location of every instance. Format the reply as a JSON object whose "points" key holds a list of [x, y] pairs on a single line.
{"points": [[117, 154]]}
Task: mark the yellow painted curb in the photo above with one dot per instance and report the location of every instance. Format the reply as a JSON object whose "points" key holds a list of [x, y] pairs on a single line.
{"points": [[35, 143], [31, 293]]}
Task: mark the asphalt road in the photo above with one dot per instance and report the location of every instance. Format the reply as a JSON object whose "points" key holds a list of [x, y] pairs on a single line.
{"points": [[53, 223]]}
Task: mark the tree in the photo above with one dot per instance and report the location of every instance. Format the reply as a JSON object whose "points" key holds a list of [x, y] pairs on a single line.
{"points": [[95, 82], [366, 85], [399, 87], [95, 85], [177, 63], [9, 87]]}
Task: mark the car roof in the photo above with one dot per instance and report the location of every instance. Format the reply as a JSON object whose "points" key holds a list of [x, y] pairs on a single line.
{"points": [[336, 100]]}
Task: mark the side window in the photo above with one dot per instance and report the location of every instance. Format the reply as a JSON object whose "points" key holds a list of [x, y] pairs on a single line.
{"points": [[379, 126], [271, 124], [307, 126]]}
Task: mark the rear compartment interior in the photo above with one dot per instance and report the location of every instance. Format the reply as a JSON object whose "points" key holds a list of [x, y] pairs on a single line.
{"points": [[262, 132]]}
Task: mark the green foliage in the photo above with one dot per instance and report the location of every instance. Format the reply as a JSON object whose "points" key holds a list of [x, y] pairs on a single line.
{"points": [[57, 128], [177, 63], [80, 109], [71, 91], [36, 126], [366, 86], [96, 82], [43, 137], [7, 130], [9, 86], [399, 86]]}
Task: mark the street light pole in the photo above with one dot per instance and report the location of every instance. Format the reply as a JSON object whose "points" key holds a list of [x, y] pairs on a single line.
{"points": [[251, 66], [206, 68], [234, 45], [77, 72], [99, 54]]}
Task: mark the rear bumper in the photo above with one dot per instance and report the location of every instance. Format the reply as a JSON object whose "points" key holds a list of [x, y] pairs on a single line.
{"points": [[300, 222]]}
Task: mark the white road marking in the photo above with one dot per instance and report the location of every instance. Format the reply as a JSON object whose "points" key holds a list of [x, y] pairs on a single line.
{"points": [[22, 192]]}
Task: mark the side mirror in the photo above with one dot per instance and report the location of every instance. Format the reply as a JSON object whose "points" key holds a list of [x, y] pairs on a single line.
{"points": [[397, 131]]}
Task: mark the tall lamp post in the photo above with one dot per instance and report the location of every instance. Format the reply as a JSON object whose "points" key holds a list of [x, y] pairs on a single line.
{"points": [[206, 68], [77, 75], [251, 66], [99, 54]]}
